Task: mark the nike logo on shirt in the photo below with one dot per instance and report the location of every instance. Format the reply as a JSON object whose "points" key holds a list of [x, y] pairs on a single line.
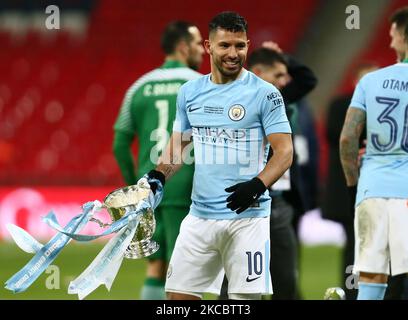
{"points": [[191, 109], [253, 279]]}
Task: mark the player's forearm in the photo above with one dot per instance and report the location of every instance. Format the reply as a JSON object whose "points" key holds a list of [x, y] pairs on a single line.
{"points": [[171, 159], [280, 161], [349, 157], [349, 144], [123, 155], [168, 169]]}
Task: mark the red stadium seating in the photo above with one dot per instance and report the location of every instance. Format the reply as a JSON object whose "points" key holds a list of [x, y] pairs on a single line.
{"points": [[59, 98]]}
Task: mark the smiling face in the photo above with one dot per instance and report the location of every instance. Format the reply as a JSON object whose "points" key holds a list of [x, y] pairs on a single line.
{"points": [[228, 51]]}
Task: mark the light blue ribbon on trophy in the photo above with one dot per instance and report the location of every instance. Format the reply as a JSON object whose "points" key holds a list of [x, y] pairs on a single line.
{"points": [[23, 239], [155, 198], [51, 220], [105, 266], [44, 255], [152, 202]]}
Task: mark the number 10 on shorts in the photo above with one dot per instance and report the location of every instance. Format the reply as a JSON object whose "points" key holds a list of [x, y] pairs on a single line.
{"points": [[255, 265]]}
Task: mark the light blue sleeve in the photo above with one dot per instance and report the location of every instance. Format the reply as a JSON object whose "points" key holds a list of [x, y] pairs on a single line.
{"points": [[273, 114], [358, 101], [181, 122]]}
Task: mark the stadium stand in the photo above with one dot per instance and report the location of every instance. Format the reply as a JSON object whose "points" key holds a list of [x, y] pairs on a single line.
{"points": [[376, 52], [60, 90]]}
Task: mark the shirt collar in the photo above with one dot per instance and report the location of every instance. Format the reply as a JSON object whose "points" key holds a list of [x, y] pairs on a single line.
{"points": [[241, 77], [169, 64]]}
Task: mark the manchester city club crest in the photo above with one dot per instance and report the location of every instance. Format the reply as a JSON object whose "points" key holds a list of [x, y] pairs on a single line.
{"points": [[236, 112]]}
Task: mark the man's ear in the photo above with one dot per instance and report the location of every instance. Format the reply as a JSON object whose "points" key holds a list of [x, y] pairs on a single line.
{"points": [[183, 48], [207, 46]]}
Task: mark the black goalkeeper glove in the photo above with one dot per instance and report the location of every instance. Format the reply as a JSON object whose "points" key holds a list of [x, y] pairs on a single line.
{"points": [[244, 194], [154, 174], [352, 191]]}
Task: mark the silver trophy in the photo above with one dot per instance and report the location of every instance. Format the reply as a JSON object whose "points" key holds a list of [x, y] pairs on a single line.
{"points": [[123, 200]]}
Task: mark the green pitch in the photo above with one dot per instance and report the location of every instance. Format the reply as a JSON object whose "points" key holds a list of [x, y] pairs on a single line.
{"points": [[320, 269]]}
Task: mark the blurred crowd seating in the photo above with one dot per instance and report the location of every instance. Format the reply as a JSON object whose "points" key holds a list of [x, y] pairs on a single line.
{"points": [[60, 91]]}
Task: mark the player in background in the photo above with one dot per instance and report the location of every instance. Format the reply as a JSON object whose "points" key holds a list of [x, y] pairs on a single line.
{"points": [[232, 115], [380, 102], [399, 19], [294, 80], [147, 113], [335, 200]]}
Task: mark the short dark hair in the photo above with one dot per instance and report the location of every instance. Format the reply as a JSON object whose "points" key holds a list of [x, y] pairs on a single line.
{"points": [[400, 18], [175, 32], [228, 20], [265, 56]]}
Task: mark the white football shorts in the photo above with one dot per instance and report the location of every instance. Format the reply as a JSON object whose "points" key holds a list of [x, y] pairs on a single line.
{"points": [[206, 247], [381, 231]]}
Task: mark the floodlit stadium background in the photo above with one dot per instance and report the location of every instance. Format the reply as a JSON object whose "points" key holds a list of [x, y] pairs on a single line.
{"points": [[60, 92]]}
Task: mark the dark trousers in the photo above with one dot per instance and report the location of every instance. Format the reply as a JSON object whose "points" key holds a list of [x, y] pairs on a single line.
{"points": [[396, 288], [348, 261], [284, 251]]}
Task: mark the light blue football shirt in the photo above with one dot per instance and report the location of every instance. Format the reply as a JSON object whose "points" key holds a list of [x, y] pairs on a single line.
{"points": [[229, 124], [383, 95]]}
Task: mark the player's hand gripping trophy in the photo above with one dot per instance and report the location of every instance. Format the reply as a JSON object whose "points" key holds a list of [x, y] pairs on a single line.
{"points": [[121, 201]]}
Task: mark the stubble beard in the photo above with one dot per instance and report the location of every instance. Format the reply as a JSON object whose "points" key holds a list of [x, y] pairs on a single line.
{"points": [[227, 73]]}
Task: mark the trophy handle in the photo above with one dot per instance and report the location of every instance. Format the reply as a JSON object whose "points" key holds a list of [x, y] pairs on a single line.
{"points": [[101, 224]]}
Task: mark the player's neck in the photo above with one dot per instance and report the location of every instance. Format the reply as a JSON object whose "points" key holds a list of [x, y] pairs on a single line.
{"points": [[218, 78], [176, 57]]}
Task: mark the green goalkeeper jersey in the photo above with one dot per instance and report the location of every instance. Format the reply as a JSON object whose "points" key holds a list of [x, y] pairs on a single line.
{"points": [[148, 112]]}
